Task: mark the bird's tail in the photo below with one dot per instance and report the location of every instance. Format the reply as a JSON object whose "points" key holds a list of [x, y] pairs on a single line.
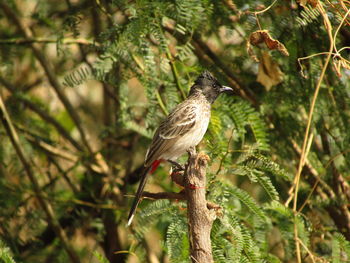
{"points": [[139, 192]]}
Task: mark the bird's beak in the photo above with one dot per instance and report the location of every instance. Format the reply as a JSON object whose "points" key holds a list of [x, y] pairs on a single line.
{"points": [[226, 89]]}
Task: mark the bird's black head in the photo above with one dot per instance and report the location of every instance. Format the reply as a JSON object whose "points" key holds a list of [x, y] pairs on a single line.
{"points": [[209, 86]]}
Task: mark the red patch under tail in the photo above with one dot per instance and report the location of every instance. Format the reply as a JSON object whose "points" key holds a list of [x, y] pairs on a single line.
{"points": [[155, 165]]}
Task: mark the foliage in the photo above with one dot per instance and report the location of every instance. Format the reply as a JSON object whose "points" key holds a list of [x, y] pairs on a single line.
{"points": [[5, 254], [91, 81]]}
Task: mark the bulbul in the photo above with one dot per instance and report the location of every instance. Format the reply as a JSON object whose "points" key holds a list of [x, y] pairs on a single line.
{"points": [[182, 129]]}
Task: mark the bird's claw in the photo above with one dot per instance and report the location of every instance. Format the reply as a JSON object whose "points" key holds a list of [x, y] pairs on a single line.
{"points": [[191, 151], [176, 166]]}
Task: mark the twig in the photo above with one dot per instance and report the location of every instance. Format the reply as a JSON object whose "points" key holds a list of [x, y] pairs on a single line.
{"points": [[99, 167], [46, 206], [164, 195], [66, 41], [97, 206], [336, 54], [313, 172], [308, 196], [291, 191], [64, 173], [103, 9], [159, 98], [52, 152], [48, 148], [256, 13], [332, 159], [226, 153], [337, 30], [231, 5], [303, 156], [43, 114], [107, 88], [161, 103], [175, 74], [307, 250], [41, 57], [266, 9], [340, 185]]}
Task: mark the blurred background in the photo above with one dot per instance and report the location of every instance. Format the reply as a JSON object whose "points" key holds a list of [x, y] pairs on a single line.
{"points": [[84, 84]]}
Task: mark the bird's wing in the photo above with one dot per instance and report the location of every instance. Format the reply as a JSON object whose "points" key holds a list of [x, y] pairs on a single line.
{"points": [[181, 120]]}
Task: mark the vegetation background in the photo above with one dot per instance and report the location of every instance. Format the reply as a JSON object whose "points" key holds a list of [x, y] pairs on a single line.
{"points": [[84, 83]]}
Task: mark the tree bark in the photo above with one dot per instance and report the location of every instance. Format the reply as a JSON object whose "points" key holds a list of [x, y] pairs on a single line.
{"points": [[200, 218], [200, 213]]}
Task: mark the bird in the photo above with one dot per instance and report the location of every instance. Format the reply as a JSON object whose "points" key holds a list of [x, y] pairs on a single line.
{"points": [[182, 129]]}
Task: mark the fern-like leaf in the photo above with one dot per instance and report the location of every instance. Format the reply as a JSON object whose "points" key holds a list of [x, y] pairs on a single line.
{"points": [[246, 199], [340, 249], [307, 16], [177, 242], [77, 77], [5, 254]]}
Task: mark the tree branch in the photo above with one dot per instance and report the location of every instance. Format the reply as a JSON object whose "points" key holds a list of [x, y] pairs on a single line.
{"points": [[46, 206], [66, 41], [165, 195], [43, 114], [201, 214], [200, 218], [41, 57], [175, 73]]}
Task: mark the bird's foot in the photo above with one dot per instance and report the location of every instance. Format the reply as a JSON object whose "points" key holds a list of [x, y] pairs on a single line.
{"points": [[176, 172], [177, 176], [176, 166], [191, 151]]}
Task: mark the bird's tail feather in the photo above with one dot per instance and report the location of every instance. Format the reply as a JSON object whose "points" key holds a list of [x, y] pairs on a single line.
{"points": [[138, 194]]}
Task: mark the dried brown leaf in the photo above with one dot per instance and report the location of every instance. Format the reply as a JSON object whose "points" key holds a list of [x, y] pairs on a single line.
{"points": [[263, 36], [269, 73], [340, 63]]}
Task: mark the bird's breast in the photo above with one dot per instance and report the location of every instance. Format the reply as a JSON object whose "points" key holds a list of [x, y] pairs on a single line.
{"points": [[200, 127], [193, 136]]}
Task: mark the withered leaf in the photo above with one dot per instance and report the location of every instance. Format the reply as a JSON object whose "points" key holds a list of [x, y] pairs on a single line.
{"points": [[263, 36], [269, 73], [340, 63]]}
